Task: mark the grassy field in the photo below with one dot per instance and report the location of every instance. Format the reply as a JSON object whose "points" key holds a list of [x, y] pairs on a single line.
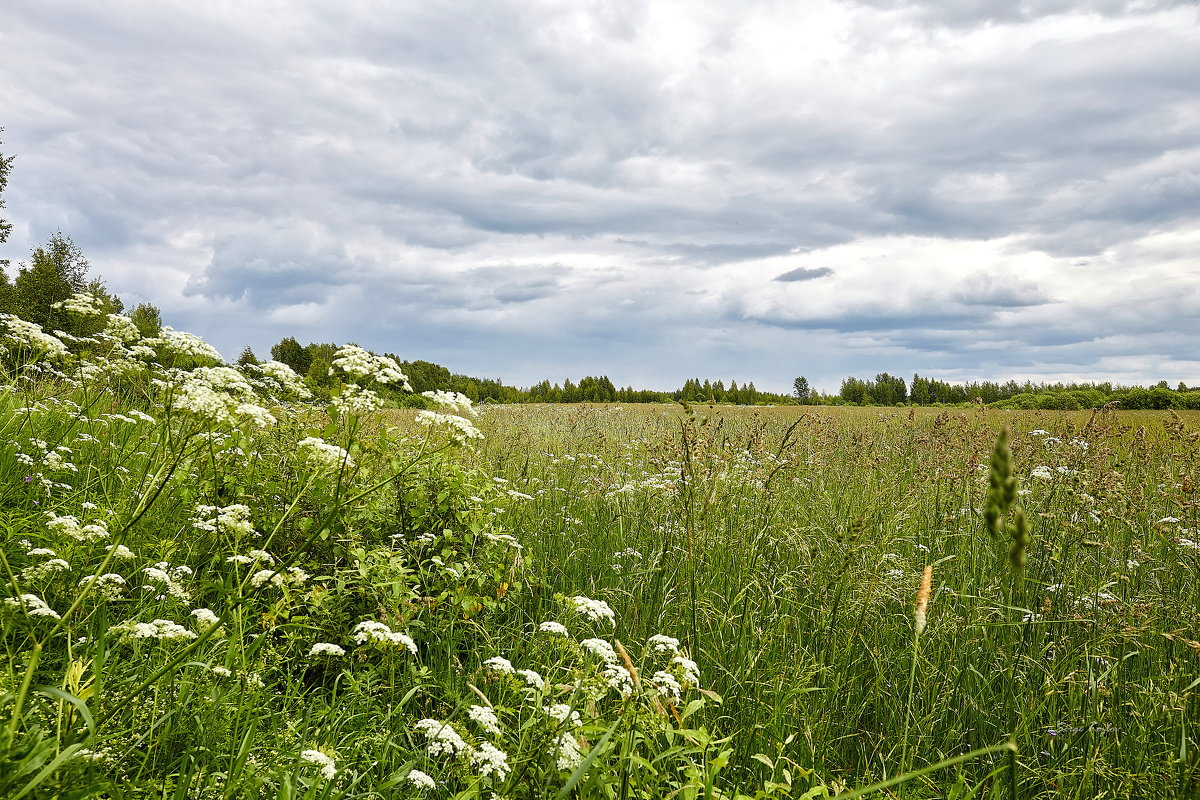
{"points": [[785, 547], [215, 587]]}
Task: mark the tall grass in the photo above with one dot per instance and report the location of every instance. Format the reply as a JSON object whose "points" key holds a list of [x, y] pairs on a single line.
{"points": [[787, 557]]}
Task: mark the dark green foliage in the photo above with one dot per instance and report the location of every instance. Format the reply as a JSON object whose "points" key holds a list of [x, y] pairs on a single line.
{"points": [[247, 357], [148, 319], [801, 389], [289, 352]]}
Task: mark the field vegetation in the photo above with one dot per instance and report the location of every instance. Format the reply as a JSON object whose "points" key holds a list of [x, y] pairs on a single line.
{"points": [[216, 586]]}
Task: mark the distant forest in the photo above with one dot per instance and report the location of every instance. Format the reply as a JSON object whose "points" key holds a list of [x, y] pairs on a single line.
{"points": [[314, 361]]}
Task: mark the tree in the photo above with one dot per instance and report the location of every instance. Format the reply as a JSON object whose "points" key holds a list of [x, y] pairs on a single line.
{"points": [[801, 389], [288, 351], [148, 320], [247, 357], [5, 226], [54, 273]]}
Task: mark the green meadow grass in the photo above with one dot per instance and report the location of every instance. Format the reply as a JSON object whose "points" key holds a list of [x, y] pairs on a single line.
{"points": [[785, 547], [214, 587]]}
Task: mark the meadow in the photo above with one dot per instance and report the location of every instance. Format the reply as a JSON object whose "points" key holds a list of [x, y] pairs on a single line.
{"points": [[219, 586]]}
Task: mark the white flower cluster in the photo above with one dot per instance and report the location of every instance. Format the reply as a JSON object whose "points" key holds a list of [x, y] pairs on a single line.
{"points": [[182, 343], [356, 401], [378, 633], [443, 740], [360, 363], [663, 644], [121, 328], [500, 664], [82, 303], [205, 618], [460, 429], [34, 606], [35, 573], [614, 672], [566, 752], [69, 526], [455, 401], [169, 580], [234, 519], [278, 378], [322, 456], [31, 335], [490, 760], [687, 669], [421, 780], [563, 714], [328, 765], [667, 685], [292, 576], [162, 629], [532, 679], [553, 628], [326, 649], [486, 717], [110, 585], [595, 610]]}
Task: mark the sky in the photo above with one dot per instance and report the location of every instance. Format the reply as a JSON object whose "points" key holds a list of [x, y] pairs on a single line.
{"points": [[653, 191]]}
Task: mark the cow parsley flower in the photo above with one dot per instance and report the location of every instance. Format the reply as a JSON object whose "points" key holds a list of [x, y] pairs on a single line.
{"points": [[326, 649], [34, 606], [566, 752], [110, 585], [602, 649], [663, 644], [456, 401], [563, 714], [532, 679], [292, 576], [460, 429], [420, 779], [500, 664], [490, 761], [486, 717], [360, 363], [595, 610], [667, 685], [443, 740], [553, 628], [234, 519], [328, 765], [322, 456], [690, 672], [161, 629], [378, 633]]}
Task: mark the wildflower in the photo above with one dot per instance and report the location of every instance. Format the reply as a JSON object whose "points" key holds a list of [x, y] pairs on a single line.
{"points": [[109, 585], [667, 685], [688, 668], [31, 335], [322, 456], [205, 617], [455, 401], [500, 664], [533, 679], [326, 649], [1041, 473], [34, 606], [356, 401], [618, 677], [378, 633], [182, 343], [41, 551], [234, 519], [44, 570], [490, 760], [121, 551], [566, 753], [554, 628], [162, 629], [328, 765], [563, 713], [443, 740], [170, 585], [595, 610], [486, 717], [460, 428], [223, 672], [420, 779], [292, 576], [600, 648], [256, 415], [663, 644], [360, 363]]}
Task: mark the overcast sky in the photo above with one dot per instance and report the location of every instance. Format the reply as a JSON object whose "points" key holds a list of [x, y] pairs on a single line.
{"points": [[649, 190]]}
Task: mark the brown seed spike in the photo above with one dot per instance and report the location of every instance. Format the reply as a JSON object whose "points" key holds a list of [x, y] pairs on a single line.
{"points": [[923, 598]]}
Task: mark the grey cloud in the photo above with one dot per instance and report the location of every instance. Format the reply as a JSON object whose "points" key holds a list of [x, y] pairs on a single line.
{"points": [[804, 274], [973, 13], [984, 289]]}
